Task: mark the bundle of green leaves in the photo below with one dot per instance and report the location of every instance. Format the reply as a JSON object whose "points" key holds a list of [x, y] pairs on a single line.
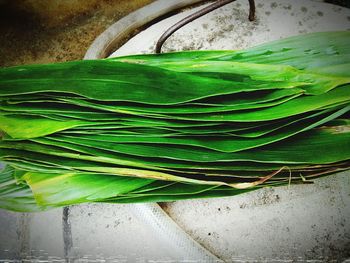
{"points": [[196, 124]]}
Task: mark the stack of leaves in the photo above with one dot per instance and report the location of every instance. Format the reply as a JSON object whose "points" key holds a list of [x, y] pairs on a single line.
{"points": [[174, 126]]}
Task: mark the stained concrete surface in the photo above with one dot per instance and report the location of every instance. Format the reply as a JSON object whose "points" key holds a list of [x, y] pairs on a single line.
{"points": [[304, 222], [229, 28], [40, 31]]}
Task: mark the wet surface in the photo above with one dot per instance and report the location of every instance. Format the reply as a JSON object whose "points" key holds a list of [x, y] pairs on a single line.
{"points": [[39, 31]]}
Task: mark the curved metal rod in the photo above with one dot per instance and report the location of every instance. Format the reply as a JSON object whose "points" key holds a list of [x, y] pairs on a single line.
{"points": [[118, 33], [196, 15], [251, 10]]}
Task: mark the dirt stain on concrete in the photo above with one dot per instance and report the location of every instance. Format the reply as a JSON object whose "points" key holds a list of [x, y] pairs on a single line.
{"points": [[39, 31]]}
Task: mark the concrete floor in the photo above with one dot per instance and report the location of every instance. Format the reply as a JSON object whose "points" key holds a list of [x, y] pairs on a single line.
{"points": [[40, 31]]}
